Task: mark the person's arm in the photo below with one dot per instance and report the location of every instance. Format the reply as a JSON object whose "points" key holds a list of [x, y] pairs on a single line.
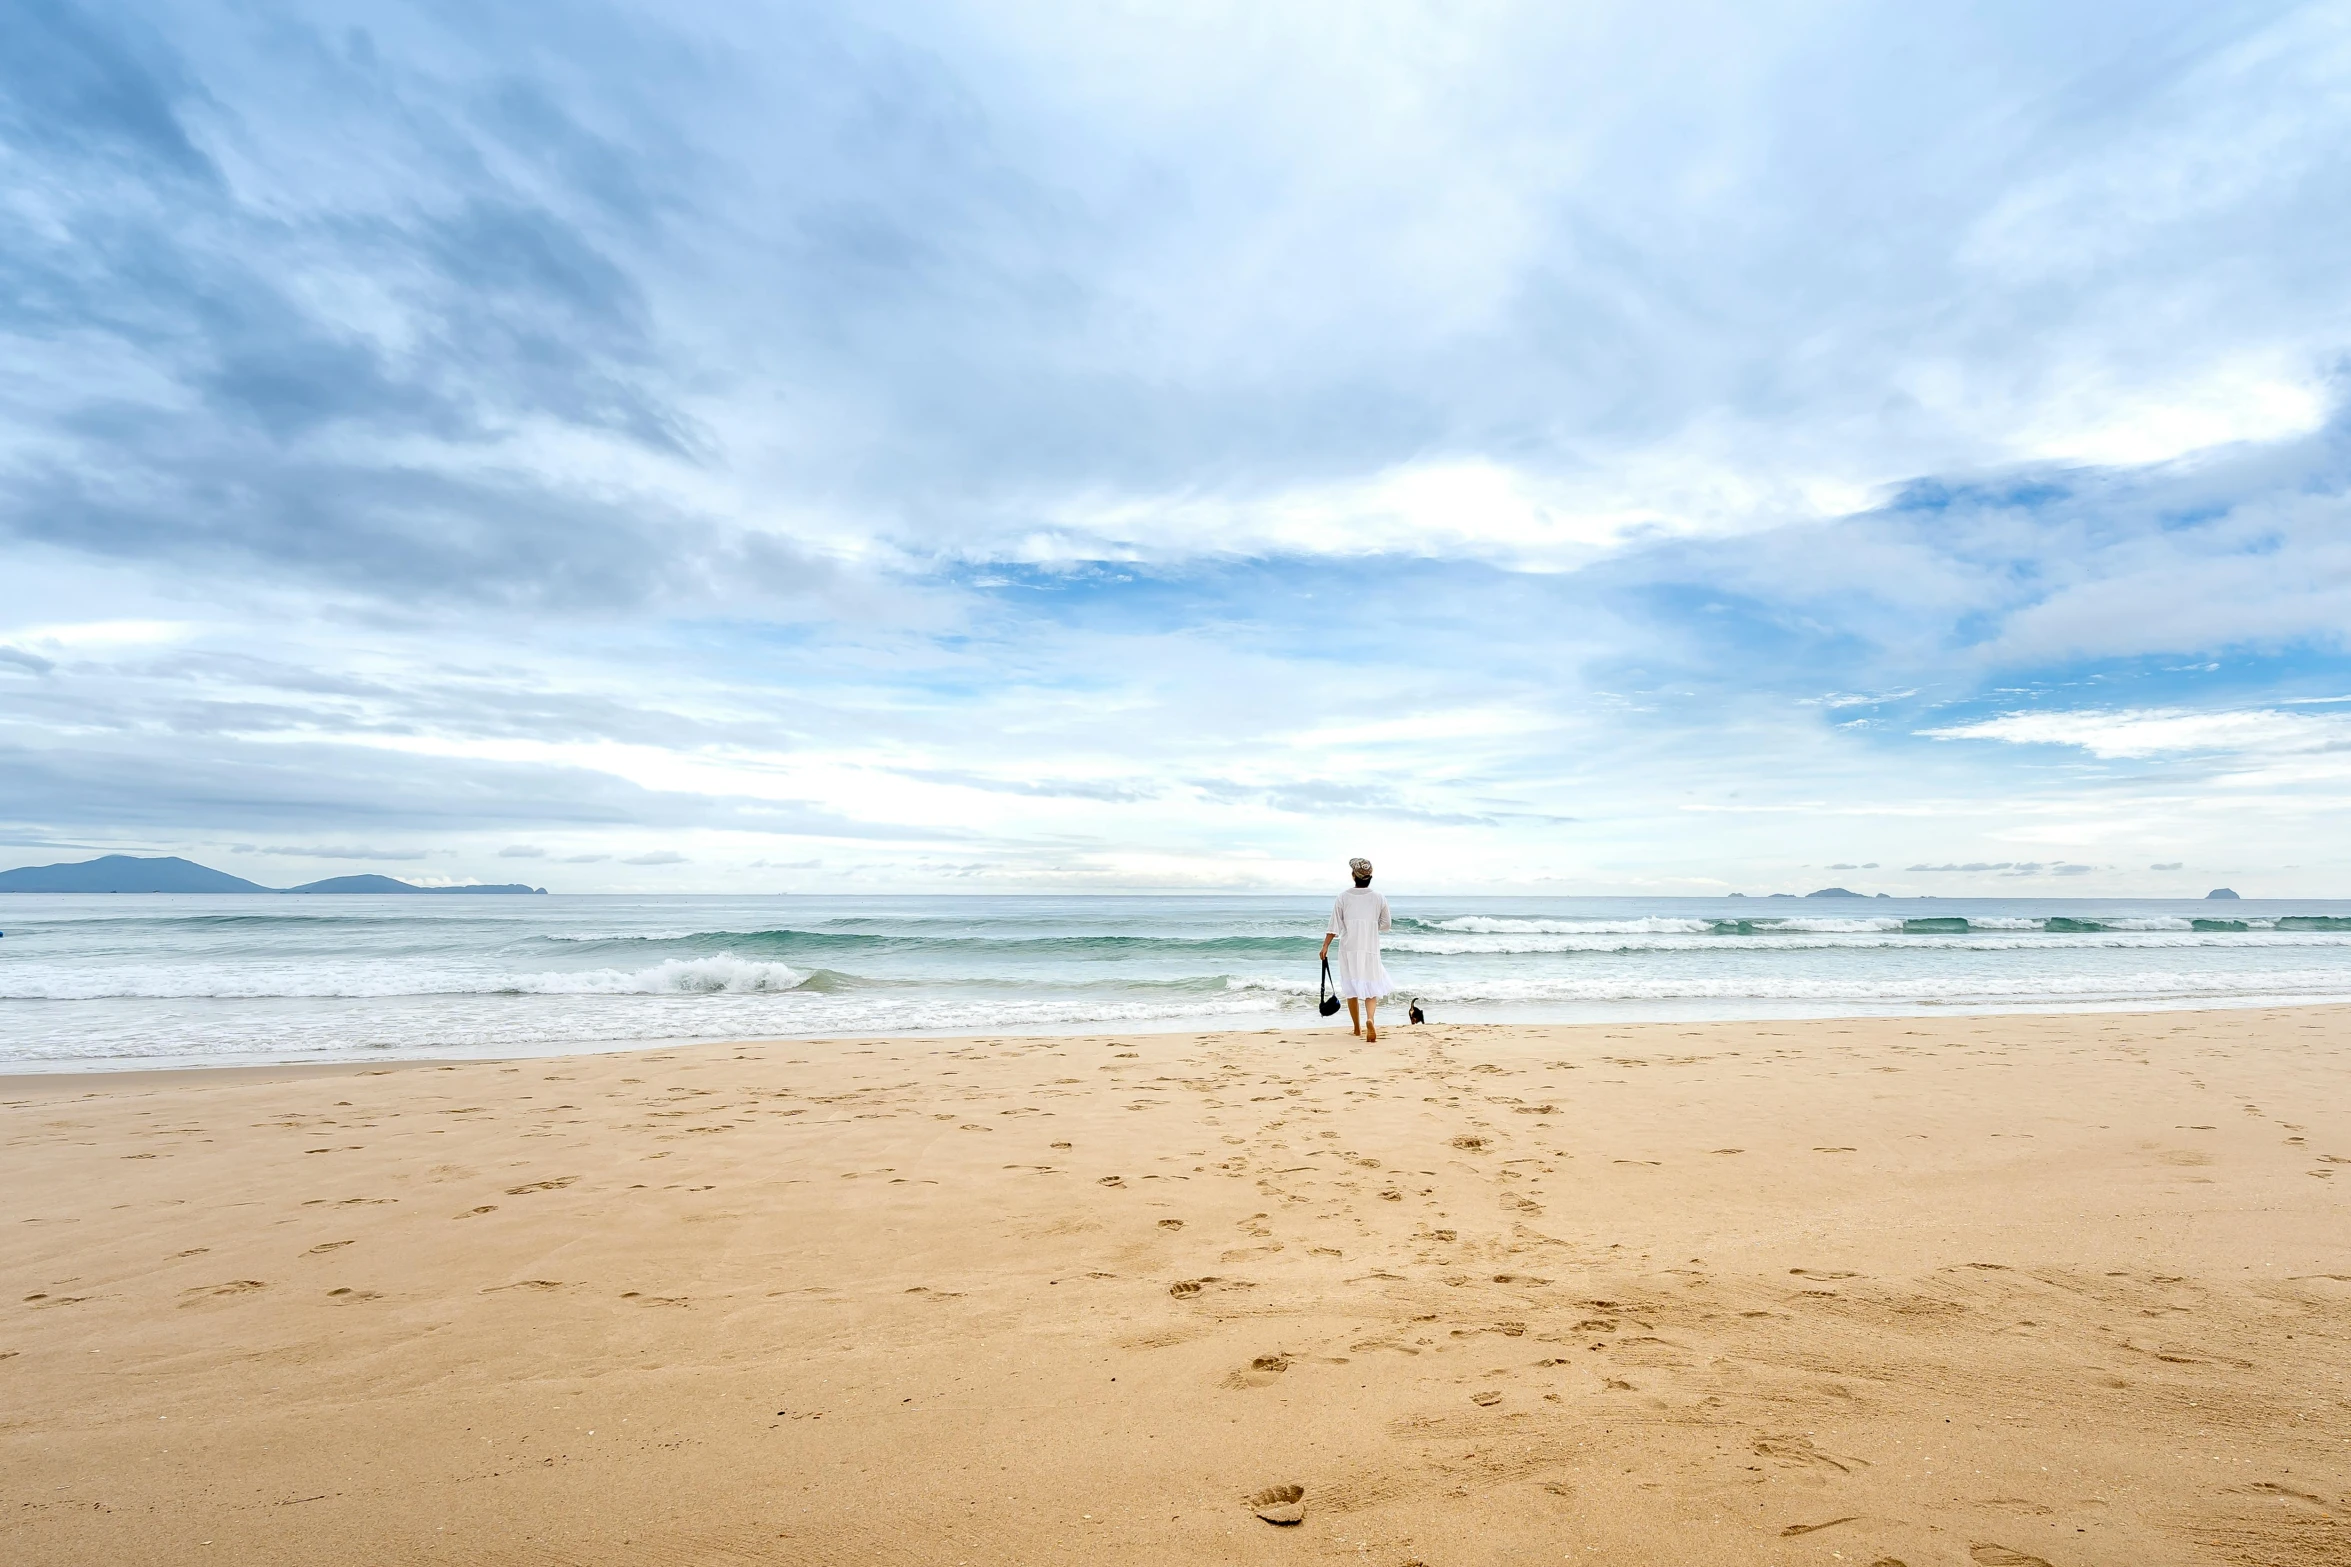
{"points": [[1331, 931], [1384, 925]]}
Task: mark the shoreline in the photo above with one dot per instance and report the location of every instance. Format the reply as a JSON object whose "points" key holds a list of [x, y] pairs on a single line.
{"points": [[1647, 1015], [2065, 1287]]}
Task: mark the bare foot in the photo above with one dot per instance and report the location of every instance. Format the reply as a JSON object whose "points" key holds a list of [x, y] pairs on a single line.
{"points": [[1371, 1035]]}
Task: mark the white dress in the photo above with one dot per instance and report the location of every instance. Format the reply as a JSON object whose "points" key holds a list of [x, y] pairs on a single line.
{"points": [[1357, 919]]}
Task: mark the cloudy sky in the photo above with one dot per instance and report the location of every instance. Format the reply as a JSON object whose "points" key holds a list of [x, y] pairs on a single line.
{"points": [[1664, 447]]}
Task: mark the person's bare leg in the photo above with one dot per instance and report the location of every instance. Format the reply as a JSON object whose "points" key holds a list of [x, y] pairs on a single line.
{"points": [[1354, 1018], [1371, 1012]]}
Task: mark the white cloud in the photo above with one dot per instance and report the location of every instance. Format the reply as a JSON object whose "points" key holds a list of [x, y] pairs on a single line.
{"points": [[2104, 417], [343, 852], [102, 634], [2149, 732]]}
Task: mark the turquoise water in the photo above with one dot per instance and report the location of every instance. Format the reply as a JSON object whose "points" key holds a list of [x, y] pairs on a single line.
{"points": [[182, 980]]}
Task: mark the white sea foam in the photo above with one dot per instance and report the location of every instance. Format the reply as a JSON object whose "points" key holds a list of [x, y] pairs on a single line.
{"points": [[1937, 989], [720, 973], [233, 1030], [1484, 926], [1982, 940]]}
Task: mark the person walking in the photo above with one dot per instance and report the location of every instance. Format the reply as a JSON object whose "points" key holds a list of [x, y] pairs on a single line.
{"points": [[1357, 919]]}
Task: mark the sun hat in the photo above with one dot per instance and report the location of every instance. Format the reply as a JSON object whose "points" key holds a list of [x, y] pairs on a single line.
{"points": [[1359, 865]]}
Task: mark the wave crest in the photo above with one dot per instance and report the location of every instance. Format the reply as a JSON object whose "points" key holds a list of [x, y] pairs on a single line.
{"points": [[719, 974]]}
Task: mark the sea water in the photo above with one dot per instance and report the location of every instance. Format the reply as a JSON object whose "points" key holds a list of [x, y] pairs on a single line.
{"points": [[158, 980]]}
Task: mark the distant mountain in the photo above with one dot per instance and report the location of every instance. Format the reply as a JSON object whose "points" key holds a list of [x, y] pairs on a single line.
{"points": [[1834, 892], [373, 883], [125, 873], [2220, 892]]}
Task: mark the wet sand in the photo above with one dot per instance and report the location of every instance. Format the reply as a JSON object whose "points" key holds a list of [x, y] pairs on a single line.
{"points": [[1972, 1290]]}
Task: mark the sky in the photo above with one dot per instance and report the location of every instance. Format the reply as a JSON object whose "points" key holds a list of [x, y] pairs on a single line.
{"points": [[1665, 448]]}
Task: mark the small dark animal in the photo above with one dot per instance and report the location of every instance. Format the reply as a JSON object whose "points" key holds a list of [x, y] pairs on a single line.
{"points": [[1416, 1014]]}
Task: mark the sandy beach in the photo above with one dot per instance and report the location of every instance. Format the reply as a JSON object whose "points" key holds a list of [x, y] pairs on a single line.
{"points": [[1958, 1290]]}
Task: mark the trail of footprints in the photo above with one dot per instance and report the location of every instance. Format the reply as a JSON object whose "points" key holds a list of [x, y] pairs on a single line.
{"points": [[1659, 1347]]}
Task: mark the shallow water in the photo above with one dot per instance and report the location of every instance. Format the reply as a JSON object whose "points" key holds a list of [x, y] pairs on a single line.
{"points": [[154, 980]]}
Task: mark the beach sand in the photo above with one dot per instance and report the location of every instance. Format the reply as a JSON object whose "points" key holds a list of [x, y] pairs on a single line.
{"points": [[1958, 1290]]}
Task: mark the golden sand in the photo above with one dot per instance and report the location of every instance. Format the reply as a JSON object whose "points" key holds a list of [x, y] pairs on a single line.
{"points": [[1971, 1290]]}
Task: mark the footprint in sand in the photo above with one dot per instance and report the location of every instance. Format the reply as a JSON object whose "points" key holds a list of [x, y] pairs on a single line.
{"points": [[475, 1212], [1795, 1529], [1280, 1504], [557, 1184], [232, 1287], [1469, 1144], [1832, 1150], [2002, 1556], [1796, 1452], [1259, 1372], [1487, 1399], [1171, 1224], [326, 1246], [1112, 1180], [1185, 1289]]}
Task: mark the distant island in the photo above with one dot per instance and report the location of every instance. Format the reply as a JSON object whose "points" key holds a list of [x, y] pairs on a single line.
{"points": [[1825, 892], [2221, 892], [169, 873], [374, 883]]}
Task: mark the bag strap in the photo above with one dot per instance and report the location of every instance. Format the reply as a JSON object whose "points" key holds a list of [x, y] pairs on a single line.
{"points": [[1325, 988]]}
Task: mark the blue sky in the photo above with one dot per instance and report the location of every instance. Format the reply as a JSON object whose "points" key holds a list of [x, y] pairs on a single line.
{"points": [[1659, 448]]}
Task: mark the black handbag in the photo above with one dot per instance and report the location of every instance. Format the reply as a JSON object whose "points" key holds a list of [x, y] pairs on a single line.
{"points": [[1330, 1003]]}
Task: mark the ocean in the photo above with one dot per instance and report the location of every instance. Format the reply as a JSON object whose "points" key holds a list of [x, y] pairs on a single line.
{"points": [[122, 981]]}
